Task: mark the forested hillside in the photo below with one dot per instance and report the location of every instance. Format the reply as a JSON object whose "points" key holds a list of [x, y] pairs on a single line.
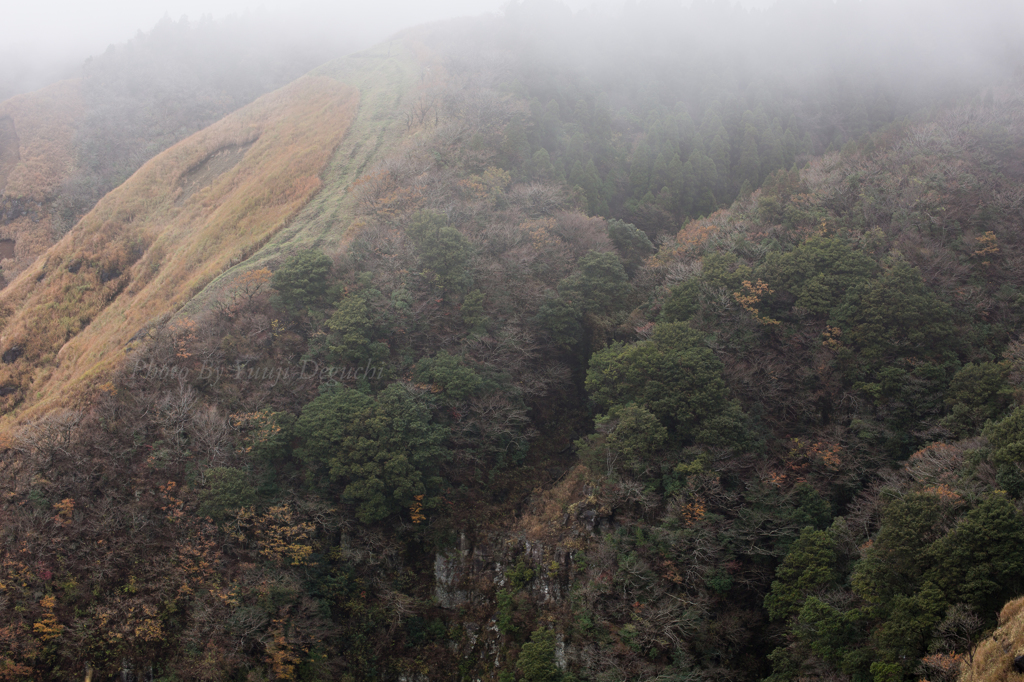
{"points": [[551, 371]]}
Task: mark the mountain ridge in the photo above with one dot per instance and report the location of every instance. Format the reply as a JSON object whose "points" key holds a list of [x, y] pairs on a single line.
{"points": [[229, 219]]}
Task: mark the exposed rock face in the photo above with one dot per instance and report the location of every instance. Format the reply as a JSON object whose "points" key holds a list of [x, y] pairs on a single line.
{"points": [[533, 561], [449, 569], [465, 575]]}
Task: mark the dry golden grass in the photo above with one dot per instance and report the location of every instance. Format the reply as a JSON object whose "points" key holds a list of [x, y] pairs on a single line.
{"points": [[993, 659], [32, 235], [139, 255], [543, 520], [386, 76]]}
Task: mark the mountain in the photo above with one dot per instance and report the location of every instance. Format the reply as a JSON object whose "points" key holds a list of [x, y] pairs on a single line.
{"points": [[65, 146], [495, 353]]}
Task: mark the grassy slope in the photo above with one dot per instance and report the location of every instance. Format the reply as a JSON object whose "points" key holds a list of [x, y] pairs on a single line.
{"points": [[142, 252], [992, 660], [383, 75], [272, 204]]}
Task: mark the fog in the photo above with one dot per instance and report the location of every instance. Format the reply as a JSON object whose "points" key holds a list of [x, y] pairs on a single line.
{"points": [[42, 42]]}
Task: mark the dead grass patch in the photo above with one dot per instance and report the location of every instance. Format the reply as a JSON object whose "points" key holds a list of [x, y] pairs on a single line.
{"points": [[993, 659], [545, 518]]}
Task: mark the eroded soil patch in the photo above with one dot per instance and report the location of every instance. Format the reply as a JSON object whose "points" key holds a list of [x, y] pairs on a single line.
{"points": [[203, 175]]}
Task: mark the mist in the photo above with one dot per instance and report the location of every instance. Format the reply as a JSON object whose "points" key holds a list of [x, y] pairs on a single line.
{"points": [[44, 42]]}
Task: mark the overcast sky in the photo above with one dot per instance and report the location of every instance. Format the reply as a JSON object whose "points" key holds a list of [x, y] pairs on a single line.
{"points": [[53, 26], [69, 27], [44, 40]]}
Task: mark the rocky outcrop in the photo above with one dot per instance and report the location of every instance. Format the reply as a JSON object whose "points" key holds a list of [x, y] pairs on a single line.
{"points": [[535, 561]]}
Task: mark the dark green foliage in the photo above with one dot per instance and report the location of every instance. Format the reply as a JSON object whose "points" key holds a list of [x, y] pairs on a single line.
{"points": [[542, 170], [383, 449], [675, 377], [818, 273], [351, 332], [808, 568], [977, 393], [1007, 438], [811, 509], [682, 301], [897, 559], [457, 381], [1010, 478], [560, 320], [981, 561], [227, 490], [749, 168], [444, 253], [302, 280], [505, 609], [599, 284], [895, 316], [537, 658], [826, 630], [420, 631], [520, 575], [637, 437], [906, 396], [904, 634], [472, 311], [912, 573], [632, 244]]}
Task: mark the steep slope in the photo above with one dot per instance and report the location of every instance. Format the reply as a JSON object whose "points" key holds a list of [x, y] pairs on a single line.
{"points": [[992, 660], [760, 449], [387, 78], [153, 243], [65, 146]]}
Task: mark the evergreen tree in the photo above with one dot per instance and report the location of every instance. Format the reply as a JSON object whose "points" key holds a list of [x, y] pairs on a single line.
{"points": [[789, 148], [771, 153], [383, 450], [640, 171], [515, 148], [302, 279], [537, 659], [632, 244], [592, 187], [688, 189], [895, 316], [719, 154], [444, 253], [675, 377], [659, 173], [749, 167], [598, 285], [541, 168], [981, 561], [807, 568]]}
